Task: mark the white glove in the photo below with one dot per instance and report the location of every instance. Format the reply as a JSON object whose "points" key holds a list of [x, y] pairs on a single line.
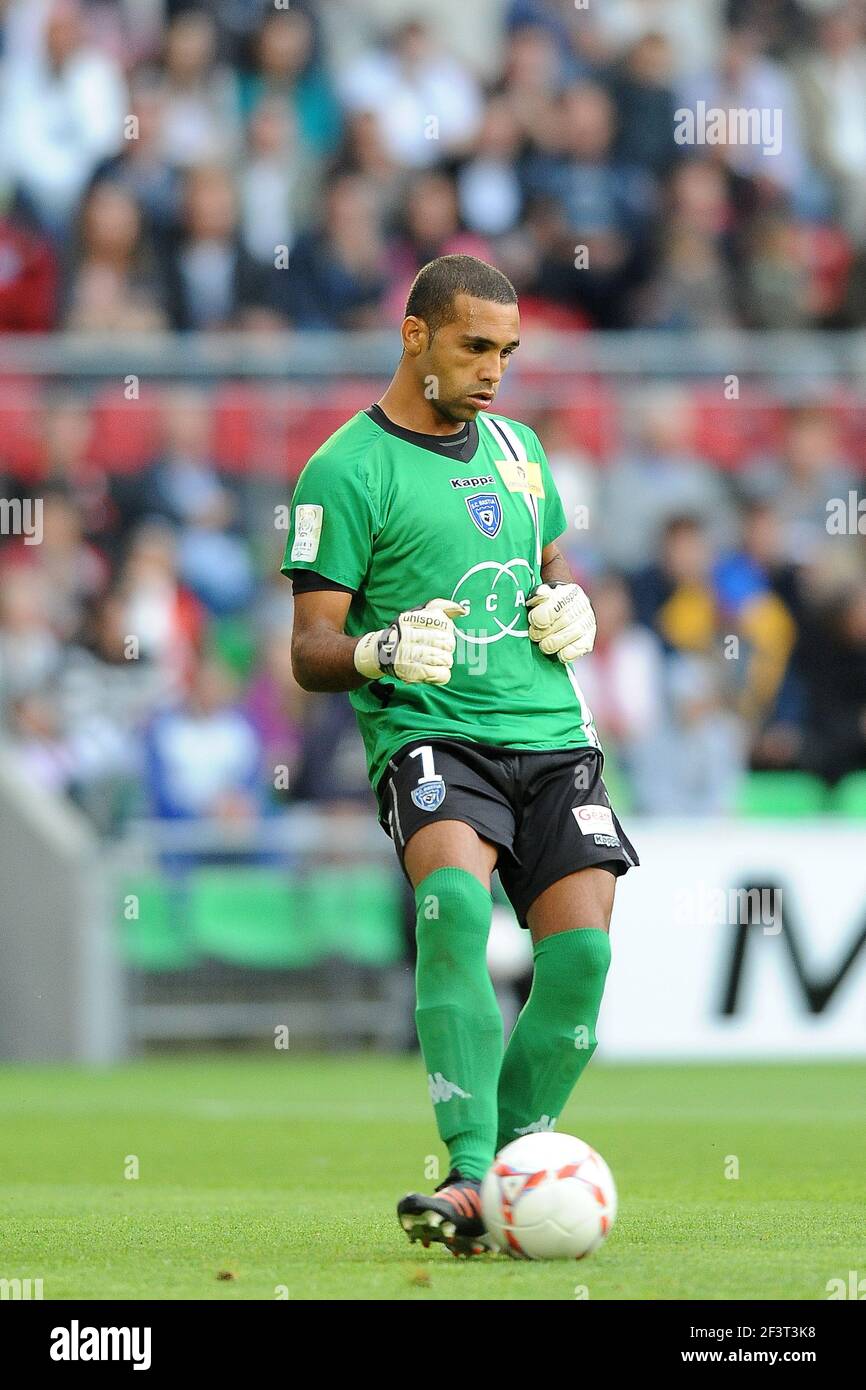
{"points": [[561, 620], [418, 645]]}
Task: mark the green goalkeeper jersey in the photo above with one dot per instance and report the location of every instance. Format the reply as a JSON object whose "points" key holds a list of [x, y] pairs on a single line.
{"points": [[400, 518]]}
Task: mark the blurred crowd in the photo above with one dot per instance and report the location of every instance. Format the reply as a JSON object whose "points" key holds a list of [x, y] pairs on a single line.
{"points": [[145, 640], [250, 163], [731, 612]]}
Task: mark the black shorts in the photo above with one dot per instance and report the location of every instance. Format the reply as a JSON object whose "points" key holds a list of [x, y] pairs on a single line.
{"points": [[549, 813]]}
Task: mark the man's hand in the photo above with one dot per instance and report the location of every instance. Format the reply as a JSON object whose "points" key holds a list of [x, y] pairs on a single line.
{"points": [[561, 620], [418, 645]]}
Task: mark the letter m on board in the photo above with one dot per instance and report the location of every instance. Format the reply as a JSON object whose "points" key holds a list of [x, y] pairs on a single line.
{"points": [[817, 991]]}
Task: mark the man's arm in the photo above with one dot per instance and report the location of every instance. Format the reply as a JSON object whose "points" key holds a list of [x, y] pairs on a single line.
{"points": [[561, 619], [554, 566], [322, 654], [418, 646]]}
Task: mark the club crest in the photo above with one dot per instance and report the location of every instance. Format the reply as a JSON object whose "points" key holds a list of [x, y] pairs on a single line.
{"points": [[485, 509], [428, 796]]}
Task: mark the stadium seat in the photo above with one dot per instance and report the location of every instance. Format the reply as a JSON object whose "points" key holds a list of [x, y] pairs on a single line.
{"points": [[849, 797], [274, 919], [253, 427], [728, 435], [309, 427], [591, 417], [22, 449], [250, 917], [785, 795], [126, 435], [234, 407], [850, 415], [593, 423], [354, 912], [312, 421], [154, 939]]}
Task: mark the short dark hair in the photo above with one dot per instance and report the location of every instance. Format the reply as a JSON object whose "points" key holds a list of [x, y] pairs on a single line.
{"points": [[438, 283]]}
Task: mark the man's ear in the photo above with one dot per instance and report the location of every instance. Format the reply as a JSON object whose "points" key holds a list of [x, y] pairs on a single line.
{"points": [[415, 336]]}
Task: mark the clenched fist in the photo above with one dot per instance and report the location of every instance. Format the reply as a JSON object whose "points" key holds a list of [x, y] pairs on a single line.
{"points": [[417, 647], [561, 620]]}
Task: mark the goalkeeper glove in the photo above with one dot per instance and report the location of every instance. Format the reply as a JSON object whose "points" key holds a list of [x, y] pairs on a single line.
{"points": [[417, 646], [561, 620]]}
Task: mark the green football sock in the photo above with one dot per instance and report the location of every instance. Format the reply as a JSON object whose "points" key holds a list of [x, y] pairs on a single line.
{"points": [[554, 1037], [457, 1016]]}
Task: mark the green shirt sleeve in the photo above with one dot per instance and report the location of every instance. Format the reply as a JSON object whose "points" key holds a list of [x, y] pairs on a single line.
{"points": [[554, 521], [333, 521]]}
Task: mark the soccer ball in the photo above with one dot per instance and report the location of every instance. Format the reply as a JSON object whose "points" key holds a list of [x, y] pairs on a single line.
{"points": [[548, 1197]]}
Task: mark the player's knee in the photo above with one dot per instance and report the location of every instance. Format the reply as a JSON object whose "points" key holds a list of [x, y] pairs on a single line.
{"points": [[571, 970], [456, 899], [597, 958], [453, 913]]}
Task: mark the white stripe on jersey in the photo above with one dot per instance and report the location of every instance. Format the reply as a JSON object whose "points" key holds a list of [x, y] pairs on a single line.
{"points": [[585, 712], [504, 434]]}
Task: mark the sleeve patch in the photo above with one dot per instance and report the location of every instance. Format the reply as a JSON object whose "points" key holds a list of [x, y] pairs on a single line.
{"points": [[308, 531]]}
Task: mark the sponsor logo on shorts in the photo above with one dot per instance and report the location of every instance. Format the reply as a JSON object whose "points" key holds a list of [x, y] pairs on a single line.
{"points": [[594, 818], [609, 840], [428, 796]]}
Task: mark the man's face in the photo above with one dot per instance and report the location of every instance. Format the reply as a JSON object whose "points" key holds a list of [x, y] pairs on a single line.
{"points": [[686, 555], [460, 371]]}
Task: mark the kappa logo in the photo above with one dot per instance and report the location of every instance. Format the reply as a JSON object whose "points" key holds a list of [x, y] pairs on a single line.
{"points": [[483, 481], [541, 1126], [485, 509], [442, 1090], [429, 795]]}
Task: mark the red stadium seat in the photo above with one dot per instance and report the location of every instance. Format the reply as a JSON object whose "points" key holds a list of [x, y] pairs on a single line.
{"points": [[234, 408], [126, 434], [274, 429], [593, 420], [590, 418], [252, 426], [728, 432], [849, 407], [312, 425], [21, 444]]}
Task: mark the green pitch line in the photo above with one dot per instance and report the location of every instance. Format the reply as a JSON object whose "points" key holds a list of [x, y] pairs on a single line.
{"points": [[282, 1174]]}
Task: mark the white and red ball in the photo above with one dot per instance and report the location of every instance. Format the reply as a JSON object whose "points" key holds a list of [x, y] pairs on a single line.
{"points": [[548, 1197]]}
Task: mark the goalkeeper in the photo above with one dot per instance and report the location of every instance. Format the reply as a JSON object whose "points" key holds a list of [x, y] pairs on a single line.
{"points": [[428, 583]]}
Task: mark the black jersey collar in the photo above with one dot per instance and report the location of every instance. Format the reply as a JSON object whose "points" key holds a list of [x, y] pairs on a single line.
{"points": [[460, 446]]}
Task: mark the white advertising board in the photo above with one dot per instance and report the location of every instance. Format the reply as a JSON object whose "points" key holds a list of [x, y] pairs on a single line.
{"points": [[700, 969]]}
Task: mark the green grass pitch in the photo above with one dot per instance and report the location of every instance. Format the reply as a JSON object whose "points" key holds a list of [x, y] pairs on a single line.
{"points": [[282, 1173]]}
